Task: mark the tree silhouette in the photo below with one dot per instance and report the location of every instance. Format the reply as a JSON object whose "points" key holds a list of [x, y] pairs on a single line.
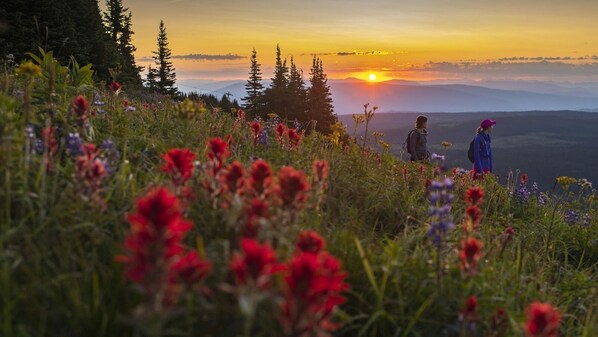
{"points": [[296, 95], [320, 107], [255, 90], [162, 78], [276, 94], [118, 25]]}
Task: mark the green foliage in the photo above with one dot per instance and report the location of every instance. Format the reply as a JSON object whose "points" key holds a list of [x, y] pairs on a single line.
{"points": [[58, 274]]}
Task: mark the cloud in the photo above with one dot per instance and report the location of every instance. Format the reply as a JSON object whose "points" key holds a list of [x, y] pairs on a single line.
{"points": [[549, 58], [201, 57], [358, 53], [519, 68]]}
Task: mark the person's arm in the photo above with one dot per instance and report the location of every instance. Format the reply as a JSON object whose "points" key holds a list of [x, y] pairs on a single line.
{"points": [[413, 138], [477, 156]]}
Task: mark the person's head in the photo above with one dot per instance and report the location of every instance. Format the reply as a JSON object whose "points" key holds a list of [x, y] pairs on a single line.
{"points": [[421, 122], [486, 125]]}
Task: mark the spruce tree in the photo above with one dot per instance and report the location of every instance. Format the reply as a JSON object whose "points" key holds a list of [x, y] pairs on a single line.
{"points": [[276, 94], [320, 107], [254, 88], [296, 95], [118, 25], [163, 75]]}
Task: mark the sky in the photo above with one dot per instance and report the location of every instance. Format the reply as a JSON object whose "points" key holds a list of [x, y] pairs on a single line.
{"points": [[451, 40]]}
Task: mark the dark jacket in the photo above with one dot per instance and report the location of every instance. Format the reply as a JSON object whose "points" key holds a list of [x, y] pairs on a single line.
{"points": [[418, 143], [482, 153]]}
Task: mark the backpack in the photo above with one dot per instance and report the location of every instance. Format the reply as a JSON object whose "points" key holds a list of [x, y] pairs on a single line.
{"points": [[470, 151], [406, 144]]}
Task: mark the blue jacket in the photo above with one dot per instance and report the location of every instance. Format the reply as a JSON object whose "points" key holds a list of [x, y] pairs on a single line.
{"points": [[482, 153]]}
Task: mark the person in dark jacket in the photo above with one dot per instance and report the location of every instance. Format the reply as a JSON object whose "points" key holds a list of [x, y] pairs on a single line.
{"points": [[482, 152], [418, 141]]}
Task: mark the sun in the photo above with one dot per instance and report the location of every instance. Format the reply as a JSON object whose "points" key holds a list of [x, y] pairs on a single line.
{"points": [[372, 77]]}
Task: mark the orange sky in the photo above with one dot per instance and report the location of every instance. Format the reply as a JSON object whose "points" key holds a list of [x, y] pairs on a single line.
{"points": [[409, 39]]}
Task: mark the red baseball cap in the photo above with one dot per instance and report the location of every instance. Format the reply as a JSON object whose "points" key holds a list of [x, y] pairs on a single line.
{"points": [[486, 123]]}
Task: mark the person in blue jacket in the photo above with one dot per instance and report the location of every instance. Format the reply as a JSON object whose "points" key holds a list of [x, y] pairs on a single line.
{"points": [[482, 152]]}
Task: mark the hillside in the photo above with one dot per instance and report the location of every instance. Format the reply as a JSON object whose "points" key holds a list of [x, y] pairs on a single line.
{"points": [[544, 144]]}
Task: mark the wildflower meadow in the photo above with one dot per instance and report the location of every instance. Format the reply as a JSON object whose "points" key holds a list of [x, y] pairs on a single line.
{"points": [[123, 214]]}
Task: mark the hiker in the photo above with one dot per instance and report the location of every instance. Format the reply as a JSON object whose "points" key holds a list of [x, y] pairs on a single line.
{"points": [[482, 153], [418, 142]]}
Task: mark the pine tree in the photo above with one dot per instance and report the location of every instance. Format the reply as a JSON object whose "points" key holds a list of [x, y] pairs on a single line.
{"points": [[276, 94], [254, 88], [164, 75], [319, 98], [296, 95], [118, 25], [151, 83]]}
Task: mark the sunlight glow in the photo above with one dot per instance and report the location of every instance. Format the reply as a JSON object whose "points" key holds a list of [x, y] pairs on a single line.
{"points": [[372, 77]]}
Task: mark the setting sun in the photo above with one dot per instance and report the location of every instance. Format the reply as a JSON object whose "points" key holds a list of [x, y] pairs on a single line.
{"points": [[372, 77]]}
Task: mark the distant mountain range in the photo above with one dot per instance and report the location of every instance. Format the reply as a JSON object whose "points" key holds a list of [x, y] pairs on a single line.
{"points": [[349, 95]]}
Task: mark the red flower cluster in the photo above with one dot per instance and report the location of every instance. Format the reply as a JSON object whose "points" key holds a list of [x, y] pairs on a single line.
{"points": [[257, 211], [470, 254], [50, 147], [499, 322], [256, 131], [473, 197], [310, 241], [292, 187], [542, 320], [314, 283], [470, 313], [233, 178], [523, 179], [79, 107], [157, 259], [280, 132], [179, 164], [294, 139], [90, 172], [115, 87], [320, 170], [217, 153], [256, 265], [260, 178]]}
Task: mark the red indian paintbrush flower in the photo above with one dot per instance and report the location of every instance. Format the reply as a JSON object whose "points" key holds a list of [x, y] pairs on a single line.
{"points": [[280, 132], [90, 171], [292, 187], [470, 253], [474, 195], [320, 170], [256, 131], [260, 177], [314, 283], [523, 179], [79, 107], [470, 313], [294, 138], [234, 178], [217, 153], [256, 264], [542, 320], [156, 258], [310, 241], [190, 268], [179, 164], [115, 87]]}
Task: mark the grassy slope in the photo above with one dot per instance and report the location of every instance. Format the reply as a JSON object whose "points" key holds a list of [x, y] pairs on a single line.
{"points": [[58, 276]]}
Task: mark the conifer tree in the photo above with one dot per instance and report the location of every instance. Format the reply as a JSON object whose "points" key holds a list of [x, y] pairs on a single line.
{"points": [[254, 88], [118, 25], [320, 107], [163, 75], [296, 95], [276, 94]]}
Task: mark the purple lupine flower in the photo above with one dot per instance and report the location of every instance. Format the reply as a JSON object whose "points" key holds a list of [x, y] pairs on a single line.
{"points": [[436, 156], [39, 146], [97, 100], [571, 217], [74, 145], [541, 199], [264, 138], [586, 220], [297, 125], [110, 154], [535, 188], [29, 132], [522, 194], [441, 198]]}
